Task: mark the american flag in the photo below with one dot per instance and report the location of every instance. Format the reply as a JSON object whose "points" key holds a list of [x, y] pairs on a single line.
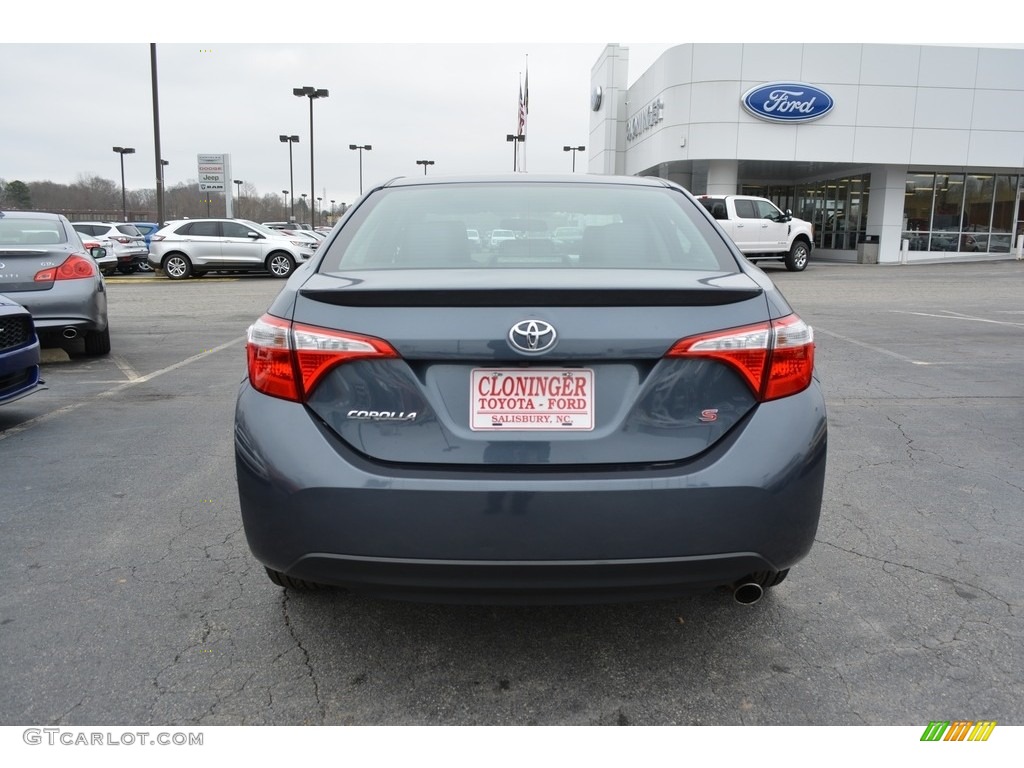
{"points": [[521, 128]]}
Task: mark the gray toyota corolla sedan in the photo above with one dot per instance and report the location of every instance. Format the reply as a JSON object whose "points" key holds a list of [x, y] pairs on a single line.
{"points": [[630, 414]]}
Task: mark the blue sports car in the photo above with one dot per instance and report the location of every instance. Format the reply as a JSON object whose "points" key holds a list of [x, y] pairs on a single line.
{"points": [[19, 352]]}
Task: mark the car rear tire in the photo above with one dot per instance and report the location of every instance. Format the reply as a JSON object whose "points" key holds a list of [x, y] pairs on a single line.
{"points": [[144, 267], [288, 582], [97, 342], [177, 266], [796, 260], [280, 264]]}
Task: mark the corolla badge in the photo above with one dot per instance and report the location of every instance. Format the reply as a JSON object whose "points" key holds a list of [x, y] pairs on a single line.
{"points": [[532, 336], [787, 102]]}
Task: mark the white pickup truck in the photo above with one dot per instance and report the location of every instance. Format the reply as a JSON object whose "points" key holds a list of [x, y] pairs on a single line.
{"points": [[760, 230]]}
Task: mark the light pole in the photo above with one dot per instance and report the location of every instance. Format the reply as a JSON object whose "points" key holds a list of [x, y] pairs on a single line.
{"points": [[515, 138], [574, 150], [285, 209], [360, 147], [122, 151], [163, 191], [312, 93], [303, 196], [332, 213], [320, 205], [238, 195], [291, 170], [424, 163]]}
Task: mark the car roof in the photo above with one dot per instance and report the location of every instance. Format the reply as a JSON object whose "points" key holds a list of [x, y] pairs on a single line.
{"points": [[533, 178], [44, 215]]}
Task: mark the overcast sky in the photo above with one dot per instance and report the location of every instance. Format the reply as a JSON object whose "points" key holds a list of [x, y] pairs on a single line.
{"points": [[451, 98]]}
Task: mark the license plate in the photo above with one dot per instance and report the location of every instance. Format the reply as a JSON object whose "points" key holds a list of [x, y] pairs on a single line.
{"points": [[516, 399]]}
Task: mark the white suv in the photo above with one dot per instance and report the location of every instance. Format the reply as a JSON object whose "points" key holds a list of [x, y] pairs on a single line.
{"points": [[194, 247], [129, 243]]}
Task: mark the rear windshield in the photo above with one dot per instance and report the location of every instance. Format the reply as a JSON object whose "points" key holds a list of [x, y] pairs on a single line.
{"points": [[526, 225], [129, 229], [17, 231]]}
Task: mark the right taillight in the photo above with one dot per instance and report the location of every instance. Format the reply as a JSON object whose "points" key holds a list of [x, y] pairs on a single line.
{"points": [[775, 358], [288, 360], [75, 267]]}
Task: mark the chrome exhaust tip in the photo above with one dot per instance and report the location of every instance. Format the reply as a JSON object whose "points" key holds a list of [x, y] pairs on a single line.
{"points": [[70, 333], [747, 592]]}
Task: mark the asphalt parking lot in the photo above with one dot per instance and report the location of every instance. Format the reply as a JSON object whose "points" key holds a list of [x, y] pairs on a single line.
{"points": [[130, 596]]}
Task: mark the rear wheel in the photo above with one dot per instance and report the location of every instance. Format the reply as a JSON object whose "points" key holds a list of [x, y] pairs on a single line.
{"points": [[97, 342], [796, 259], [177, 266], [288, 582], [280, 264]]}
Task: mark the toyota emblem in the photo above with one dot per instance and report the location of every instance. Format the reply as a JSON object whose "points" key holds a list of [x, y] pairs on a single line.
{"points": [[532, 336]]}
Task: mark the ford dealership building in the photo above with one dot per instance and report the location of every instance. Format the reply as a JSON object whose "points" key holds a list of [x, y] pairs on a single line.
{"points": [[894, 152]]}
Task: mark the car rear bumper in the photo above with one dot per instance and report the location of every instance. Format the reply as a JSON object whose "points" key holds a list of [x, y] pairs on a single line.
{"points": [[78, 304], [315, 510]]}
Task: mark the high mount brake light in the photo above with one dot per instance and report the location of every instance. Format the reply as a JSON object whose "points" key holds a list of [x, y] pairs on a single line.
{"points": [[775, 358], [288, 360]]}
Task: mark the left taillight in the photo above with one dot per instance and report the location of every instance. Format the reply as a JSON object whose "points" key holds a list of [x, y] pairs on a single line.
{"points": [[75, 267], [775, 358], [288, 360]]}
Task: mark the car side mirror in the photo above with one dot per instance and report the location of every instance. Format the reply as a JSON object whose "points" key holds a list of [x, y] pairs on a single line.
{"points": [[98, 252], [254, 235]]}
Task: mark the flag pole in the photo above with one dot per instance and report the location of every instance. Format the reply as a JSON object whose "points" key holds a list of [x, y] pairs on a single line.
{"points": [[526, 109]]}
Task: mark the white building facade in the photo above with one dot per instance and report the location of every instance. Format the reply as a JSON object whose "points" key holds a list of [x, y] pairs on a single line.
{"points": [[896, 153]]}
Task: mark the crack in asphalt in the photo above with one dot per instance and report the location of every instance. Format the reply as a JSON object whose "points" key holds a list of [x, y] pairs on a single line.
{"points": [[944, 577], [305, 656]]}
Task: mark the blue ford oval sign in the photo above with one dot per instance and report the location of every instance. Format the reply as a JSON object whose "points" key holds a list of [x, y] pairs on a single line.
{"points": [[787, 102]]}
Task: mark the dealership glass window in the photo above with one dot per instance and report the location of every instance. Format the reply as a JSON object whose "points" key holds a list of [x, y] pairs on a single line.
{"points": [[838, 209], [917, 209], [947, 213], [857, 210], [960, 212], [1004, 206]]}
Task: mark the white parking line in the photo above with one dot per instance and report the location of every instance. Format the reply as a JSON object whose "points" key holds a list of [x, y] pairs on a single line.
{"points": [[115, 390], [129, 373], [873, 348], [949, 314]]}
